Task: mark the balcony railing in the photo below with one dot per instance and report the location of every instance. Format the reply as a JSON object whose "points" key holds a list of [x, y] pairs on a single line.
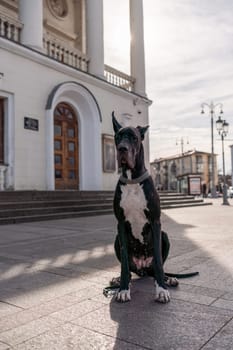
{"points": [[115, 77], [10, 28], [64, 53]]}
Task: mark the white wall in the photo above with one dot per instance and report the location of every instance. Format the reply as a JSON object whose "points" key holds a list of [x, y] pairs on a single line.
{"points": [[30, 78]]}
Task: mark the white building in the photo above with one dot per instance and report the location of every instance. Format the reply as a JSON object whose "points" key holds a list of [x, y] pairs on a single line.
{"points": [[57, 95]]}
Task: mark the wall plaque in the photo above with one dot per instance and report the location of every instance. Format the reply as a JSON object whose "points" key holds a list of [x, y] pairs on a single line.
{"points": [[31, 124]]}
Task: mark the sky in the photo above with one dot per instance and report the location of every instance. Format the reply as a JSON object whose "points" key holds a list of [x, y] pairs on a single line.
{"points": [[189, 61]]}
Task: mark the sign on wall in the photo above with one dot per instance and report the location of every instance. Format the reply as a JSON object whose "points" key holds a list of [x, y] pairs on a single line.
{"points": [[31, 124]]}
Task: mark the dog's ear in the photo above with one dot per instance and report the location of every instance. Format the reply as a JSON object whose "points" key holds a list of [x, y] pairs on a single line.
{"points": [[142, 130], [116, 126]]}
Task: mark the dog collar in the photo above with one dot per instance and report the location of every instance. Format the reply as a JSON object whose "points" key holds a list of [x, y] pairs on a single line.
{"points": [[139, 179]]}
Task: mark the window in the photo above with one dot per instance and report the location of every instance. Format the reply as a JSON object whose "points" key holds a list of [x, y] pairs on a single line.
{"points": [[71, 132], [57, 145], [199, 164], [71, 146], [57, 130], [58, 174], [58, 159]]}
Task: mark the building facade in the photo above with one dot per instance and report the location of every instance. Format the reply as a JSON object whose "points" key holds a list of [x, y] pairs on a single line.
{"points": [[173, 173], [57, 95]]}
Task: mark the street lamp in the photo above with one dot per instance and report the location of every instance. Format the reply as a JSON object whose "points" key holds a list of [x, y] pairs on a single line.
{"points": [[212, 107], [181, 141], [222, 127]]}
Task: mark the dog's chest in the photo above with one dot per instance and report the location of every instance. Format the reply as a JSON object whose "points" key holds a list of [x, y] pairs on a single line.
{"points": [[134, 204]]}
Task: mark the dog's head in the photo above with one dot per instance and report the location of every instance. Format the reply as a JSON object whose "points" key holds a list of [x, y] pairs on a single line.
{"points": [[128, 142]]}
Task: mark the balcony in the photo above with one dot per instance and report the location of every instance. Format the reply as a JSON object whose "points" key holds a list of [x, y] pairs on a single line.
{"points": [[115, 77], [10, 28], [58, 50], [63, 53]]}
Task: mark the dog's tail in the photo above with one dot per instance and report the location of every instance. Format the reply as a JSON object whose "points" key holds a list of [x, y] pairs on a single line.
{"points": [[182, 275]]}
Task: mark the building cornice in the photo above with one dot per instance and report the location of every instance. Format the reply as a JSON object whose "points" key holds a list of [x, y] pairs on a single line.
{"points": [[180, 156], [74, 73]]}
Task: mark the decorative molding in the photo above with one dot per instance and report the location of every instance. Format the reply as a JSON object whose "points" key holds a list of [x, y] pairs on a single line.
{"points": [[52, 26], [43, 59], [10, 4], [58, 8]]}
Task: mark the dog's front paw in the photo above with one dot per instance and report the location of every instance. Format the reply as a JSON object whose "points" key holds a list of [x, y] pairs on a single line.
{"points": [[123, 296], [161, 294]]}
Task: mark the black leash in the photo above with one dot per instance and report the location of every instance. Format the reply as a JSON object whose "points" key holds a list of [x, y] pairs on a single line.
{"points": [[109, 291]]}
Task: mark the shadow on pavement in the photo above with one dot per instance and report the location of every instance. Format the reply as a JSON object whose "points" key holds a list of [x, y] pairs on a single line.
{"points": [[46, 258], [44, 261]]}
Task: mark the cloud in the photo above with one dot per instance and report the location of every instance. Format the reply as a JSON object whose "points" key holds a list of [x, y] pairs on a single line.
{"points": [[189, 55]]}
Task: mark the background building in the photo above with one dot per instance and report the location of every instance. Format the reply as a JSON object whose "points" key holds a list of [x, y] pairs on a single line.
{"points": [[57, 95], [173, 173]]}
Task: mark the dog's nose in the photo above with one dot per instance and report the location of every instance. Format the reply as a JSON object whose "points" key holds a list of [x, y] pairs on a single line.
{"points": [[122, 149]]}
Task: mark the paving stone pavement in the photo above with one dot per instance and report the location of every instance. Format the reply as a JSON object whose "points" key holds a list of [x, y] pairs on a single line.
{"points": [[53, 274]]}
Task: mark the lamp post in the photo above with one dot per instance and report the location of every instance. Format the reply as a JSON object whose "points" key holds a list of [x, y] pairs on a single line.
{"points": [[222, 127], [212, 107], [181, 141]]}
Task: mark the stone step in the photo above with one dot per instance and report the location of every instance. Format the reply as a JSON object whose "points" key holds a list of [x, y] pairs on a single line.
{"points": [[173, 194], [11, 196], [26, 206], [56, 216], [181, 205], [53, 210], [179, 196], [55, 203], [177, 201]]}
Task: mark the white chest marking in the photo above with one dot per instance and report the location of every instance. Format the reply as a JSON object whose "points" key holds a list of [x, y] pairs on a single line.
{"points": [[133, 202]]}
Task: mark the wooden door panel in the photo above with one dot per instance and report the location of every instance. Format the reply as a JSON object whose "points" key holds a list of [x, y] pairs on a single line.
{"points": [[65, 148]]}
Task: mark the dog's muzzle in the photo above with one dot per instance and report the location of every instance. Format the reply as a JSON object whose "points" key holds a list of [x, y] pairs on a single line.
{"points": [[125, 156]]}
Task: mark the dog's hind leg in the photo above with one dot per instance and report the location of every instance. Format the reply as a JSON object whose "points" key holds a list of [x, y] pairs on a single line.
{"points": [[123, 294], [170, 281]]}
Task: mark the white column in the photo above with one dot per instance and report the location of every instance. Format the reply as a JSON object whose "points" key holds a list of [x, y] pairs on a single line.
{"points": [[95, 37], [137, 55], [31, 15]]}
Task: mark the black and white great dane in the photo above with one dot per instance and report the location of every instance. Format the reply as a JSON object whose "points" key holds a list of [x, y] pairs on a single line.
{"points": [[140, 245]]}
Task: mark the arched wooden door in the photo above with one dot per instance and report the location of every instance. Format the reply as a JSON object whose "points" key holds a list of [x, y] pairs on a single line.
{"points": [[66, 160]]}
